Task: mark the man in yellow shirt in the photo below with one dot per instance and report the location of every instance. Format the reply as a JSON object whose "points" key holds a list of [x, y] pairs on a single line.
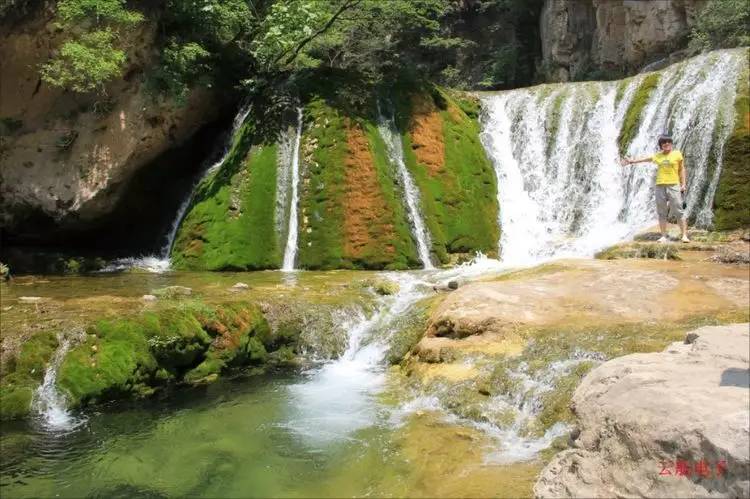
{"points": [[670, 174]]}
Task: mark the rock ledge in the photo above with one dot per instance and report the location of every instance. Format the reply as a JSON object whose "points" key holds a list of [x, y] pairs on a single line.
{"points": [[683, 411]]}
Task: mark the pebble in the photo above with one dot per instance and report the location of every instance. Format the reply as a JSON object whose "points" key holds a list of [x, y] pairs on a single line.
{"points": [[240, 285], [148, 298]]}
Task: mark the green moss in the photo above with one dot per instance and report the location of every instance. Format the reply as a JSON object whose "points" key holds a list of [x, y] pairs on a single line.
{"points": [[404, 253], [321, 240], [112, 358], [555, 114], [732, 201], [640, 250], [633, 114], [459, 205], [188, 341], [622, 85], [231, 223], [22, 374], [556, 403]]}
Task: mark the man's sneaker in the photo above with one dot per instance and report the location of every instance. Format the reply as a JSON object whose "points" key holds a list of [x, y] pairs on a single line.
{"points": [[685, 239], [663, 240]]}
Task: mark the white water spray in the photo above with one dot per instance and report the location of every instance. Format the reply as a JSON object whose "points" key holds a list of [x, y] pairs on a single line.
{"points": [[47, 401], [290, 251], [392, 139], [561, 189], [340, 397]]}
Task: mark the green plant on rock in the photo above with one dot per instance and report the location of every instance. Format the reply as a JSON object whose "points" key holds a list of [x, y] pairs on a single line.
{"points": [[93, 55], [633, 114], [721, 24], [23, 373], [231, 222], [459, 201], [731, 203]]}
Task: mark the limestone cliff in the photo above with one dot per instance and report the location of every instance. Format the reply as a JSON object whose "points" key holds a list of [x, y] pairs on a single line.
{"points": [[68, 158], [617, 36]]}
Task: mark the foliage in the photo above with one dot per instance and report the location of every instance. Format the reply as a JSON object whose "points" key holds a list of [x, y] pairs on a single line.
{"points": [[85, 64], [721, 24], [181, 63], [93, 54]]}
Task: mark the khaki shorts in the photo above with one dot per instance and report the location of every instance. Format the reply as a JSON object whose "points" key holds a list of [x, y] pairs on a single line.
{"points": [[668, 201]]}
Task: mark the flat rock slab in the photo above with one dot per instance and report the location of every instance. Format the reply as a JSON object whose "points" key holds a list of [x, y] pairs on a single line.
{"points": [[668, 424], [591, 292]]}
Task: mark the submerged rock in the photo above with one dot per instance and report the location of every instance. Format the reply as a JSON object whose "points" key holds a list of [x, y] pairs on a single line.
{"points": [[172, 292], [240, 286], [669, 424], [149, 298]]}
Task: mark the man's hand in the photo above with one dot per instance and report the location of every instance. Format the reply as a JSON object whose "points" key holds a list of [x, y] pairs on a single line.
{"points": [[625, 161], [683, 188]]}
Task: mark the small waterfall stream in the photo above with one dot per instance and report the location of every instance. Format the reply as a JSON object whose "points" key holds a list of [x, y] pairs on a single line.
{"points": [[562, 190], [392, 138], [48, 402], [290, 250], [160, 263]]}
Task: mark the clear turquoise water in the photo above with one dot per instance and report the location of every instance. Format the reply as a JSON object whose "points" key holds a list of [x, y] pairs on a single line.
{"points": [[239, 438]]}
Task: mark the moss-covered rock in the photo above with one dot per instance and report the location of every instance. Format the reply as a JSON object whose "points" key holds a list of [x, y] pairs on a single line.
{"points": [[732, 201], [640, 250], [633, 114], [458, 188], [231, 223], [22, 374], [352, 212], [187, 342]]}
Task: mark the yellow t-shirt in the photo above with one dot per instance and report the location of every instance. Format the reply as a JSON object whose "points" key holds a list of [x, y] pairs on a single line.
{"points": [[669, 167]]}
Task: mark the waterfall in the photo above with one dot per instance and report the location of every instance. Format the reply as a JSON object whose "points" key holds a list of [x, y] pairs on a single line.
{"points": [[239, 119], [561, 189], [290, 251], [160, 263], [392, 139], [47, 401], [341, 396]]}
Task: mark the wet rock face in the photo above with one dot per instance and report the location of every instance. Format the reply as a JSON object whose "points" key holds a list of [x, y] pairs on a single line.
{"points": [[68, 158], [611, 35], [669, 424]]}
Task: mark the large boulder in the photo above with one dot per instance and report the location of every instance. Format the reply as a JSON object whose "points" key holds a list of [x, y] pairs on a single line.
{"points": [[67, 159], [668, 424]]}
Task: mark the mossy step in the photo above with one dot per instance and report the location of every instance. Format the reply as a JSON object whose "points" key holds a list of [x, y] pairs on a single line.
{"points": [[179, 342]]}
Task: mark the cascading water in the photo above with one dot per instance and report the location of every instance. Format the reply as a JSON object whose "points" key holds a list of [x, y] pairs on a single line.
{"points": [[236, 124], [391, 137], [340, 397], [562, 190], [161, 262], [47, 401], [290, 250]]}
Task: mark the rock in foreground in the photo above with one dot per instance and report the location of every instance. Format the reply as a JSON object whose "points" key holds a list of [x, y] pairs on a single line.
{"points": [[669, 424]]}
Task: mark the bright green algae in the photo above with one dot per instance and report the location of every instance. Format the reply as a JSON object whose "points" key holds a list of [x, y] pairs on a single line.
{"points": [[22, 374], [189, 342], [231, 224], [459, 204], [732, 202]]}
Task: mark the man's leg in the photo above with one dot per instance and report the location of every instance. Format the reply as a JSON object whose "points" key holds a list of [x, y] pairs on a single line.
{"points": [[675, 205], [662, 208]]}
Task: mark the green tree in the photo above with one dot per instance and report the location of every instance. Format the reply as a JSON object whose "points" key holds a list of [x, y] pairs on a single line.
{"points": [[91, 56], [721, 24]]}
